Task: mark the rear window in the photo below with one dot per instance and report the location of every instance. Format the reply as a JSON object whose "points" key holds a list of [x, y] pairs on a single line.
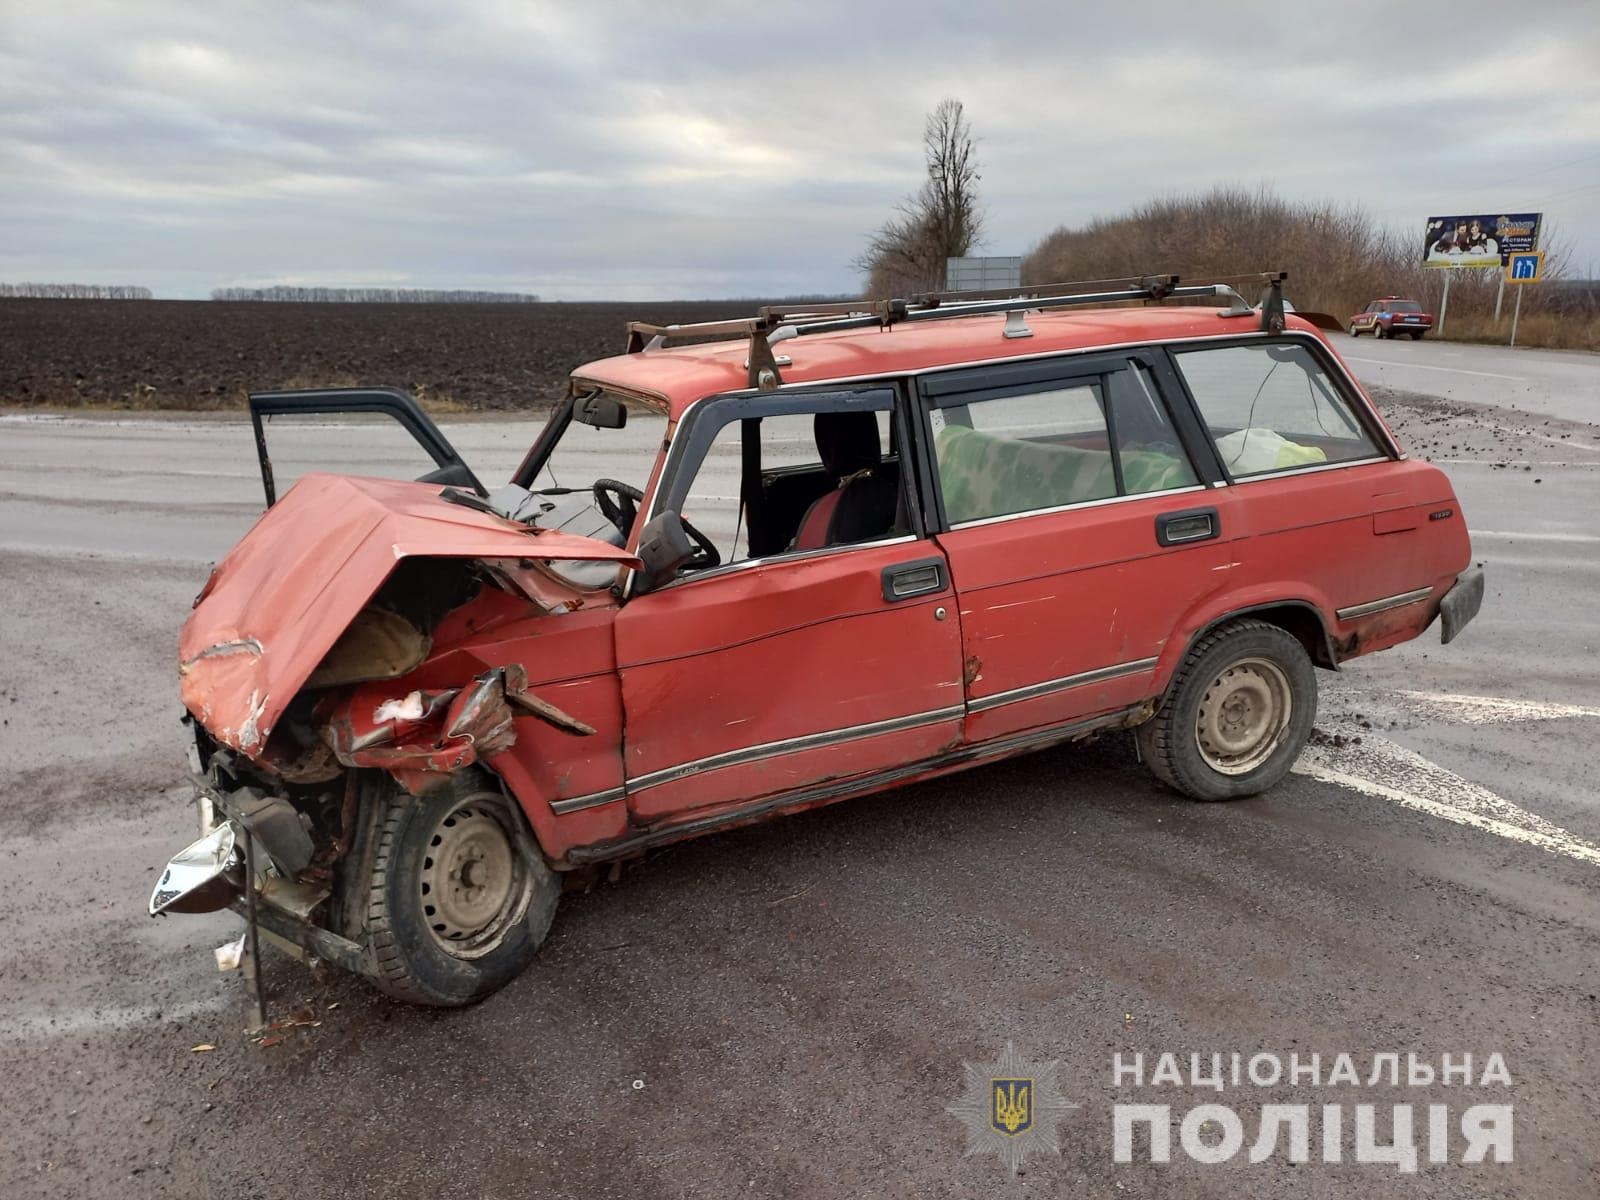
{"points": [[1271, 407], [1404, 306], [1050, 446]]}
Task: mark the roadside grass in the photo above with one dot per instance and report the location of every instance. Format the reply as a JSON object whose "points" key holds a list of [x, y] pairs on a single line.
{"points": [[1547, 331]]}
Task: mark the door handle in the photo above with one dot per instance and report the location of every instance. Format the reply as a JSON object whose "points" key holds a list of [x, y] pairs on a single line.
{"points": [[1189, 525], [922, 577]]}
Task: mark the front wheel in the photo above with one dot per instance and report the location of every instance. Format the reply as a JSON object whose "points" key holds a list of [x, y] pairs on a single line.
{"points": [[1354, 331], [1237, 713], [460, 897]]}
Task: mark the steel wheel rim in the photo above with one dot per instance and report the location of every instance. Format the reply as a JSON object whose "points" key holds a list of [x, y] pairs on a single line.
{"points": [[1244, 715], [475, 886]]}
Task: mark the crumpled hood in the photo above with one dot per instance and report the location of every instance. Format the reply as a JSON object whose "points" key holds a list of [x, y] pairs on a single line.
{"points": [[281, 598]]}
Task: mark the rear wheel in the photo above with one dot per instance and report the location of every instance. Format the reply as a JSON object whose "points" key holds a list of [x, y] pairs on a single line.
{"points": [[1416, 335], [1236, 715], [460, 897], [1378, 331]]}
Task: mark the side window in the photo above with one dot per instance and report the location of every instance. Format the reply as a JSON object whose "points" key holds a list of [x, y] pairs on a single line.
{"points": [[1272, 408], [1147, 446], [1053, 445], [819, 480]]}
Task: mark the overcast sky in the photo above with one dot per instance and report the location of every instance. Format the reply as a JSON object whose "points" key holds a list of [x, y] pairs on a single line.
{"points": [[694, 149]]}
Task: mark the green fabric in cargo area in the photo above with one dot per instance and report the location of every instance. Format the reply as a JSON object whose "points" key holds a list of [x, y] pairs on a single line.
{"points": [[986, 475]]}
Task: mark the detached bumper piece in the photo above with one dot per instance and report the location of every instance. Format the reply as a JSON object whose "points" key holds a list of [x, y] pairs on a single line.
{"points": [[247, 860], [203, 876], [303, 940], [1460, 604]]}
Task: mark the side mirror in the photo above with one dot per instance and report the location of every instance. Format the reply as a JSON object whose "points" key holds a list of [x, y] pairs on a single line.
{"points": [[601, 411], [664, 546]]}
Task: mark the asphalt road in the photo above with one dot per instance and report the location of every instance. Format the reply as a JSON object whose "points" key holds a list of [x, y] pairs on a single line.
{"points": [[785, 1010], [1558, 383]]}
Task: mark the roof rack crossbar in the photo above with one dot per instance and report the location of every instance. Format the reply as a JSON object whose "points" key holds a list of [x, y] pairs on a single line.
{"points": [[773, 323], [935, 299]]}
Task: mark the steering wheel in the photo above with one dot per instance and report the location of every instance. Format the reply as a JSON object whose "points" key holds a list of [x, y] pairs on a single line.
{"points": [[624, 511]]}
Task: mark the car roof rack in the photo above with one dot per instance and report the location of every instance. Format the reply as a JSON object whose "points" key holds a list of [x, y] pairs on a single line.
{"points": [[775, 323]]}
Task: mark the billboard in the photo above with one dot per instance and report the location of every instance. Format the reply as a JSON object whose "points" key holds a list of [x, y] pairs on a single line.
{"points": [[1482, 240]]}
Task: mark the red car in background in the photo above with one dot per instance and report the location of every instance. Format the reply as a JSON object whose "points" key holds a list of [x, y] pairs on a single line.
{"points": [[1391, 317]]}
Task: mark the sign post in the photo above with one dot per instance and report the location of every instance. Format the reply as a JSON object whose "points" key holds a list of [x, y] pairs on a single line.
{"points": [[1522, 267], [1475, 242]]}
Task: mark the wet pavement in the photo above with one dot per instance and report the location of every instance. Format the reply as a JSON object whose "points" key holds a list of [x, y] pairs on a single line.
{"points": [[785, 1010]]}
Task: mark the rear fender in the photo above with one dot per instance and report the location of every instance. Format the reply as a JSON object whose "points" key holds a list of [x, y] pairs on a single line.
{"points": [[1301, 610]]}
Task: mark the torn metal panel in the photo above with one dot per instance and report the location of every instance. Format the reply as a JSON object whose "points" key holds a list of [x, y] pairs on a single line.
{"points": [[425, 735], [516, 684]]}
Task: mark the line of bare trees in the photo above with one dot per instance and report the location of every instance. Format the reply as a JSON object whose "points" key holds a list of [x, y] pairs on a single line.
{"points": [[73, 291], [326, 295], [1338, 258]]}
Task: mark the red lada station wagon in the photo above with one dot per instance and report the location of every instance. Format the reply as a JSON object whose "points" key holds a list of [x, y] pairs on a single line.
{"points": [[812, 555]]}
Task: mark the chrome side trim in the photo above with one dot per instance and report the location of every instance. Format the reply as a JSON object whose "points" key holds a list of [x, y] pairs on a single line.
{"points": [[1264, 476], [975, 522], [572, 804], [746, 564], [1050, 686], [1383, 605], [809, 741], [1037, 738]]}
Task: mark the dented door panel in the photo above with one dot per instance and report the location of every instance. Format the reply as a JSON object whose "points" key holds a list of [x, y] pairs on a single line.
{"points": [[773, 677], [1065, 614]]}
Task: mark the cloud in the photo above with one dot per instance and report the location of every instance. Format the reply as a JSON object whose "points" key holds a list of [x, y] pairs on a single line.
{"points": [[642, 151]]}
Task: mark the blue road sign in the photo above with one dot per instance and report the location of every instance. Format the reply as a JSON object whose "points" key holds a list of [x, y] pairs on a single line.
{"points": [[1524, 267]]}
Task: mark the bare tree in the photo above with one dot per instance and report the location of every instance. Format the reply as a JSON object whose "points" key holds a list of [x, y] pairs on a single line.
{"points": [[942, 220]]}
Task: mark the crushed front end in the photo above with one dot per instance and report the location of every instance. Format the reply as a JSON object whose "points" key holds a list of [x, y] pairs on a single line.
{"points": [[341, 691]]}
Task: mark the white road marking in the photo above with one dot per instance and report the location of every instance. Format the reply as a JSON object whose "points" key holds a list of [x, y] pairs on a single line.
{"points": [[1384, 362], [70, 1022], [1496, 710], [1535, 537], [1378, 767]]}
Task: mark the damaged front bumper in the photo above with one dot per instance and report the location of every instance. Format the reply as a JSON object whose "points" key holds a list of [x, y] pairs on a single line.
{"points": [[251, 838]]}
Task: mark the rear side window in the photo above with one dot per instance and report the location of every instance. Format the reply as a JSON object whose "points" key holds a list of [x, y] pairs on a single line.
{"points": [[1052, 444], [1271, 407]]}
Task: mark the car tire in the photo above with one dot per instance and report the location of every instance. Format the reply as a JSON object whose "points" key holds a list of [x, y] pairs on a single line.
{"points": [[1354, 332], [1236, 715], [1416, 337], [460, 897], [1377, 331]]}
